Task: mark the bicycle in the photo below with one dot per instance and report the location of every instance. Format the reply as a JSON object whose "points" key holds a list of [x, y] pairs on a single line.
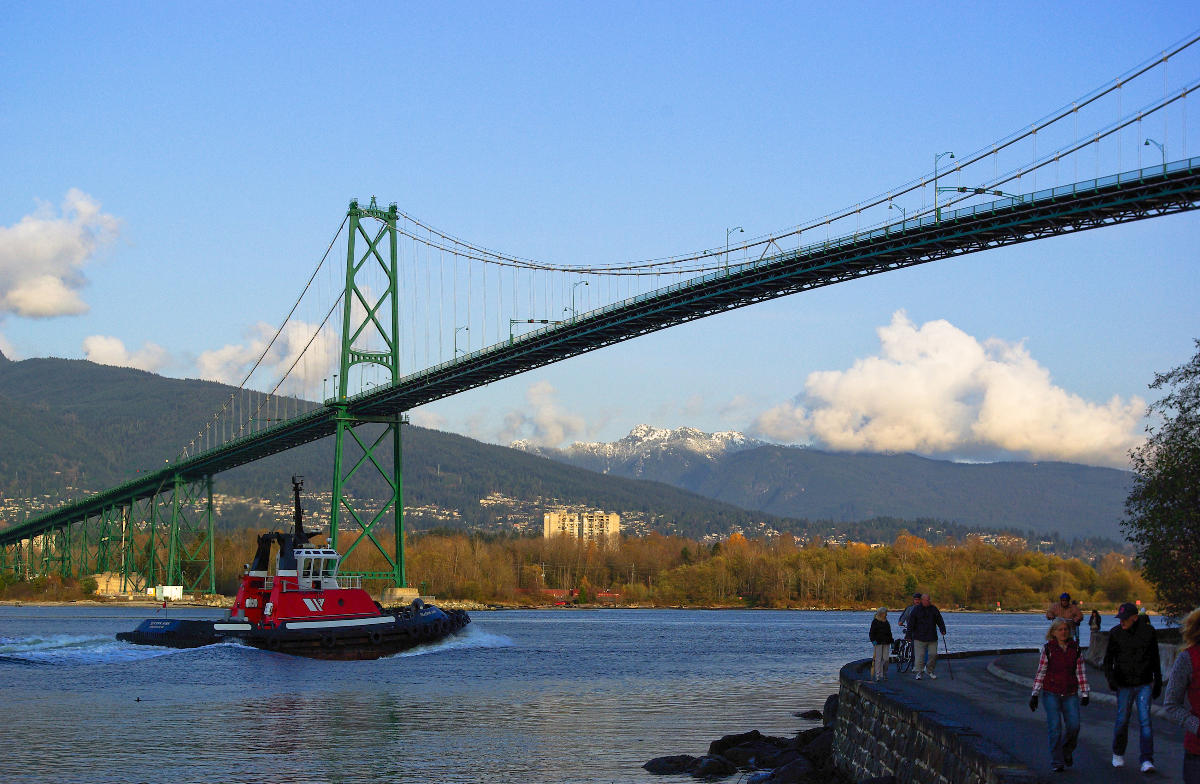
{"points": [[902, 655]]}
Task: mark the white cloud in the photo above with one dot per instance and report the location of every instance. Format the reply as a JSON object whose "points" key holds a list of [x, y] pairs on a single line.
{"points": [[230, 363], [936, 390], [694, 406], [548, 424], [737, 407], [107, 350], [480, 426], [42, 257], [8, 349], [424, 418]]}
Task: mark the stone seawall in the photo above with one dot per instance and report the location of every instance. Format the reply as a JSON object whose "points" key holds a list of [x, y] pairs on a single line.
{"points": [[882, 735]]}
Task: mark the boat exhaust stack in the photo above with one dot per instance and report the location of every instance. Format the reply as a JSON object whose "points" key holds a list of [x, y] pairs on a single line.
{"points": [[298, 515]]}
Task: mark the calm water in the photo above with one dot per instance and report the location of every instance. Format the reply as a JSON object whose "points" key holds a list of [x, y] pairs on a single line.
{"points": [[524, 696]]}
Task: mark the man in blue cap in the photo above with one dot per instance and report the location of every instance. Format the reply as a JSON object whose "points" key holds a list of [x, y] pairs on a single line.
{"points": [[1067, 610], [1133, 671]]}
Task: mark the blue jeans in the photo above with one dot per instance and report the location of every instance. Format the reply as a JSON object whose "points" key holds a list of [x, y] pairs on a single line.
{"points": [[1126, 696], [1061, 711]]}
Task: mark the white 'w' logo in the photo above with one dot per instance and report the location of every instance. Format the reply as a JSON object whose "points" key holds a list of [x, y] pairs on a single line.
{"points": [[314, 604]]}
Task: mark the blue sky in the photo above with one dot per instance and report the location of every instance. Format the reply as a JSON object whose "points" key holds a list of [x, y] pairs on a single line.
{"points": [[209, 151]]}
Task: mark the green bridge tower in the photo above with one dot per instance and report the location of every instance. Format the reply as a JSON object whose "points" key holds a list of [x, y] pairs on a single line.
{"points": [[370, 336]]}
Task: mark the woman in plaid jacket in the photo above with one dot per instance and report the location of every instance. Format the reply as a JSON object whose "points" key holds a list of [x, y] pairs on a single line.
{"points": [[1062, 683]]}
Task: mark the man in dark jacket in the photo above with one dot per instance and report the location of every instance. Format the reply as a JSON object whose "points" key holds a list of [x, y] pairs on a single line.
{"points": [[924, 623], [1133, 671]]}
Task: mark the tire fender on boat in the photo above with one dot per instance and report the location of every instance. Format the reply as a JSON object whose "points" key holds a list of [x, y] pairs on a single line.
{"points": [[327, 641], [375, 636]]}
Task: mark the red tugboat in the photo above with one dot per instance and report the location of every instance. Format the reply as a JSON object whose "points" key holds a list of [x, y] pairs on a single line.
{"points": [[305, 608]]}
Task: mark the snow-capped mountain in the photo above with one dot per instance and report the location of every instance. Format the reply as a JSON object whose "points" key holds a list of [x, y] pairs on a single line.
{"points": [[649, 452], [806, 483], [645, 440]]}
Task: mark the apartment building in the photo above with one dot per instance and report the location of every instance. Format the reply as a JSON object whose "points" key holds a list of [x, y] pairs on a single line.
{"points": [[603, 528]]}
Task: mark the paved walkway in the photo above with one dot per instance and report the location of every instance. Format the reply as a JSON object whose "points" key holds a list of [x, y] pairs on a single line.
{"points": [[990, 693]]}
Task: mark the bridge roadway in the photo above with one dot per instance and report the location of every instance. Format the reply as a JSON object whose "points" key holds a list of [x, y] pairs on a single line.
{"points": [[988, 695], [1130, 196]]}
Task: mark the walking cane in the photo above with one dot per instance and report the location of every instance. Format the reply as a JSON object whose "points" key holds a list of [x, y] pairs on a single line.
{"points": [[949, 669]]}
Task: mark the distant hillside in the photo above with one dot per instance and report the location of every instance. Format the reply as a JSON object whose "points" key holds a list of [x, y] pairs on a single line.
{"points": [[1064, 498], [75, 423]]}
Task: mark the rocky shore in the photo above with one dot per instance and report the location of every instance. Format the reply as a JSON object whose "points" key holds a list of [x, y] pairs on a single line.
{"points": [[806, 758]]}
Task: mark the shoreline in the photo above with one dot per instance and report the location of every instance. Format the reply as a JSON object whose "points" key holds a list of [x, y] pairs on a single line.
{"points": [[224, 602]]}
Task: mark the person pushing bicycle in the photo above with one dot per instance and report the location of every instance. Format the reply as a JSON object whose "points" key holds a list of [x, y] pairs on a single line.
{"points": [[916, 601]]}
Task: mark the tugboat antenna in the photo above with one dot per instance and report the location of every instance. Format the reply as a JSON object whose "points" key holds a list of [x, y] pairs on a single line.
{"points": [[298, 515]]}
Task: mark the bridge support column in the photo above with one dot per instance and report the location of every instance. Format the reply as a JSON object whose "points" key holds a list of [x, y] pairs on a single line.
{"points": [[105, 538], [370, 336], [133, 579], [190, 549]]}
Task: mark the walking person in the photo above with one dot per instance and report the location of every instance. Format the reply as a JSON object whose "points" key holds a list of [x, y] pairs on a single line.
{"points": [[906, 613], [1067, 610], [881, 639], [924, 623], [1062, 682], [1184, 682], [1133, 671], [1093, 626]]}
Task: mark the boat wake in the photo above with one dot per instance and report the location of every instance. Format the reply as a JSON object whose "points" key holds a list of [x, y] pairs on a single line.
{"points": [[57, 649], [471, 637]]}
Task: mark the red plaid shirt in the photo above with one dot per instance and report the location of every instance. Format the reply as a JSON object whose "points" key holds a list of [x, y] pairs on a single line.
{"points": [[1080, 675]]}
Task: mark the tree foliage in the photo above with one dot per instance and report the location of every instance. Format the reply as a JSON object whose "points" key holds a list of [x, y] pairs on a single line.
{"points": [[744, 572], [1162, 512], [672, 571]]}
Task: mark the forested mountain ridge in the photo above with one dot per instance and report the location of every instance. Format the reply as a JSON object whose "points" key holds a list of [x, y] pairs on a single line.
{"points": [[74, 423]]}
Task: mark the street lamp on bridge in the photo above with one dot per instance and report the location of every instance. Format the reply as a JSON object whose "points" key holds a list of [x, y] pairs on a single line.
{"points": [[456, 348], [727, 233], [903, 212], [937, 214], [1162, 149], [572, 309]]}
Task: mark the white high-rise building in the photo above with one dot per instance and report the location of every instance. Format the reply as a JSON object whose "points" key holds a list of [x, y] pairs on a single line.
{"points": [[603, 528]]}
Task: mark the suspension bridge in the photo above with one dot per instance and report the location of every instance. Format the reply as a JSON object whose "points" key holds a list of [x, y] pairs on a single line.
{"points": [[416, 315]]}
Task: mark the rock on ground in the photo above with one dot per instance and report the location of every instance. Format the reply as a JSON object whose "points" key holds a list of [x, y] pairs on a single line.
{"points": [[679, 763], [805, 759], [712, 766], [829, 715]]}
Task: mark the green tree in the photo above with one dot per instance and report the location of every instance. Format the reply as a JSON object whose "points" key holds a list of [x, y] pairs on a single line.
{"points": [[1162, 512]]}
